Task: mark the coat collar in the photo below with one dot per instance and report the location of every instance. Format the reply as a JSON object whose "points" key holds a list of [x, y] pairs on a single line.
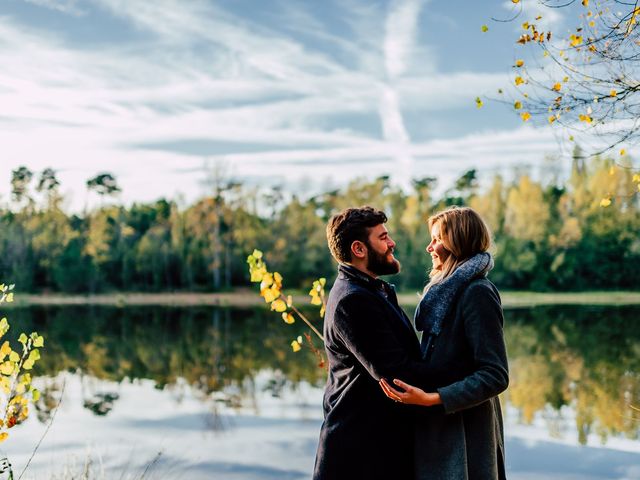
{"points": [[352, 273], [385, 289]]}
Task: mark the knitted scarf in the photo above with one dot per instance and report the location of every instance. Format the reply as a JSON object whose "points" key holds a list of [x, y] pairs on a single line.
{"points": [[435, 304]]}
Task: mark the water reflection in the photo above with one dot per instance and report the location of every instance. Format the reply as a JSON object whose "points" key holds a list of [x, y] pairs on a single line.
{"points": [[579, 364], [587, 358]]}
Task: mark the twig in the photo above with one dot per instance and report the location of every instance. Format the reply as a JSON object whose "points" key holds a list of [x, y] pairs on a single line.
{"points": [[46, 430], [151, 463], [305, 320]]}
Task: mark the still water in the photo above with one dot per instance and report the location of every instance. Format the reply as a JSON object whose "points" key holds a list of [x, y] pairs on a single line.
{"points": [[205, 392]]}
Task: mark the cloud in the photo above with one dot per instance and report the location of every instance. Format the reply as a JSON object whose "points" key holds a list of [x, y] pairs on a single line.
{"points": [[64, 6], [200, 82], [400, 33]]}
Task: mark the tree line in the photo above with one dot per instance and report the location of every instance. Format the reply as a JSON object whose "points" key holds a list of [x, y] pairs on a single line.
{"points": [[549, 234]]}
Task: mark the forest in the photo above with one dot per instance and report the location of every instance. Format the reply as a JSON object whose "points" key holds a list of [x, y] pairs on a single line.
{"points": [[576, 233]]}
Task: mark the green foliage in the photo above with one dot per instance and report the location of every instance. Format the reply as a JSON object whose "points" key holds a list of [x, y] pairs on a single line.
{"points": [[547, 235]]}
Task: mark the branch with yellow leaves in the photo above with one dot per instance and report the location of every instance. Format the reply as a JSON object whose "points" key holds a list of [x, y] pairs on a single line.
{"points": [[15, 384], [271, 291], [585, 78]]}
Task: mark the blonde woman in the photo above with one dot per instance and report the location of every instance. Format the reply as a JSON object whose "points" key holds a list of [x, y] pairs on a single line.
{"points": [[460, 435]]}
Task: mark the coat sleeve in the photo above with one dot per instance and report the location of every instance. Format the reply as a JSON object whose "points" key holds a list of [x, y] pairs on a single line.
{"points": [[367, 333], [483, 324]]}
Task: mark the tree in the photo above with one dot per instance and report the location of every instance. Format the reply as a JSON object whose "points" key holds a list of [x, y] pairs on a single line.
{"points": [[584, 79], [103, 184], [20, 180]]}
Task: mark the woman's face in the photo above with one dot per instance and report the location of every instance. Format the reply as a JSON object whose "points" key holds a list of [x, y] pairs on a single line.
{"points": [[436, 249]]}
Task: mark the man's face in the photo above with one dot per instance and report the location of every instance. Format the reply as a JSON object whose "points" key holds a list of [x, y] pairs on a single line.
{"points": [[380, 245]]}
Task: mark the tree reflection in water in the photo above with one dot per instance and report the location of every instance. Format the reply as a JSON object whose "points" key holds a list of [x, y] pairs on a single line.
{"points": [[587, 358], [584, 358]]}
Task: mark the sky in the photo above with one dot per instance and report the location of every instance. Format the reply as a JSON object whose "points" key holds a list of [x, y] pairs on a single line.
{"points": [[304, 94]]}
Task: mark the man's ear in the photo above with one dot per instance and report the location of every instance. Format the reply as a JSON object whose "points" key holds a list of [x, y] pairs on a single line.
{"points": [[358, 249]]}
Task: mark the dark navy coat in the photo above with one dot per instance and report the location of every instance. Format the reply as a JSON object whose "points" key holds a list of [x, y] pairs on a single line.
{"points": [[365, 435]]}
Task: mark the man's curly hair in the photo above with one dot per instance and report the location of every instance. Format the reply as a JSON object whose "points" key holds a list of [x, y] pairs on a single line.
{"points": [[350, 225]]}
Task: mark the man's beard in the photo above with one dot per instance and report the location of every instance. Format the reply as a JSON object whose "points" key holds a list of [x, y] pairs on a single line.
{"points": [[379, 263]]}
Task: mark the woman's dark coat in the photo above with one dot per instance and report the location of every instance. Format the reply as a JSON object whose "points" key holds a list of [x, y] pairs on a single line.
{"points": [[463, 438], [365, 435]]}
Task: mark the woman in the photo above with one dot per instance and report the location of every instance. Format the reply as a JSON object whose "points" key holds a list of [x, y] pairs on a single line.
{"points": [[460, 435]]}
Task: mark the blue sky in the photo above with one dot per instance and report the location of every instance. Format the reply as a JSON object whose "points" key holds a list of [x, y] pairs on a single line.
{"points": [[305, 94]]}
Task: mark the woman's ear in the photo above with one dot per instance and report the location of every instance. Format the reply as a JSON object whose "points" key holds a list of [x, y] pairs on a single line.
{"points": [[358, 249]]}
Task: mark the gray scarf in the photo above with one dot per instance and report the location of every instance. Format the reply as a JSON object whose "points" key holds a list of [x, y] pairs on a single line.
{"points": [[435, 304]]}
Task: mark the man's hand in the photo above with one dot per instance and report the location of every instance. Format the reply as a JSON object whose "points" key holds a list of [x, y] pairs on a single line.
{"points": [[409, 394]]}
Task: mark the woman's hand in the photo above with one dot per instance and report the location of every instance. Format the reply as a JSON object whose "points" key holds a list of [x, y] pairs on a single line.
{"points": [[411, 395]]}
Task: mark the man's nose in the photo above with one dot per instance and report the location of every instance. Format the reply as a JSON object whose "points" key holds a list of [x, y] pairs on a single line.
{"points": [[391, 243], [429, 248]]}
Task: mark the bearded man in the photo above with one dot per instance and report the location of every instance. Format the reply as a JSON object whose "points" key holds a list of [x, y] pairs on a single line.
{"points": [[367, 338]]}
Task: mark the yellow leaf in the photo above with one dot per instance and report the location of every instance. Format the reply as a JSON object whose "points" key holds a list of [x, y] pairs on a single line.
{"points": [[546, 53], [3, 436], [515, 1], [622, 152], [279, 306], [519, 63], [5, 350], [539, 17], [519, 80], [605, 202], [613, 93], [585, 3], [270, 295], [295, 345], [39, 341], [565, 79], [557, 87], [517, 105], [484, 28], [289, 300], [479, 102], [288, 318], [4, 326], [7, 368], [592, 24], [552, 118], [9, 298], [636, 178], [35, 394], [571, 138], [22, 339], [257, 254], [585, 118], [267, 281], [525, 116], [14, 357], [277, 278], [525, 26], [575, 40], [315, 300]]}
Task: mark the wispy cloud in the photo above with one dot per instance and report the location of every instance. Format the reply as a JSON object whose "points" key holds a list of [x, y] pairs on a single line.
{"points": [[400, 33], [201, 81], [70, 7]]}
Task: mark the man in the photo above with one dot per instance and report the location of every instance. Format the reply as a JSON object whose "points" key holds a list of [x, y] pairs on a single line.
{"points": [[367, 337]]}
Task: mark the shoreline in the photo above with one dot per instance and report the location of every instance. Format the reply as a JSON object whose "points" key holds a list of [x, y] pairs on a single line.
{"points": [[250, 298]]}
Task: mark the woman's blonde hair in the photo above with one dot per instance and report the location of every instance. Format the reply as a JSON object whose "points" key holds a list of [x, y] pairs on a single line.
{"points": [[463, 234]]}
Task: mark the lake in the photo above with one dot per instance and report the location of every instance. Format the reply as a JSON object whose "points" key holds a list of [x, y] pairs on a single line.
{"points": [[208, 392]]}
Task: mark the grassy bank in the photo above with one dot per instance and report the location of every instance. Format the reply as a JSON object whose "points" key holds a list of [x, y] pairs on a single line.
{"points": [[249, 298]]}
